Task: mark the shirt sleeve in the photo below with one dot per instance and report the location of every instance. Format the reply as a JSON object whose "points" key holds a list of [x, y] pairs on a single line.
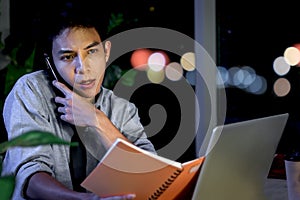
{"points": [[124, 115], [23, 112], [134, 130]]}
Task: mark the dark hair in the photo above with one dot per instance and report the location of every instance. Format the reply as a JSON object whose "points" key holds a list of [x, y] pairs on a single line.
{"points": [[62, 15], [71, 17]]}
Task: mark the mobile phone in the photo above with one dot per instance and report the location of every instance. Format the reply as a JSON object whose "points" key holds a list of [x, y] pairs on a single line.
{"points": [[53, 74], [49, 66]]}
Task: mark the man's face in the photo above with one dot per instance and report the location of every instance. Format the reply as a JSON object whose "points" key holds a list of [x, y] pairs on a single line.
{"points": [[80, 59]]}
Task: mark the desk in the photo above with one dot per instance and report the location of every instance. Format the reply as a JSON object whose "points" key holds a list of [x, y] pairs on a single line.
{"points": [[276, 189]]}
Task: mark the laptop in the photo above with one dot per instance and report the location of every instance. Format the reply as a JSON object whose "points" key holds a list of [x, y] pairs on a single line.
{"points": [[238, 159]]}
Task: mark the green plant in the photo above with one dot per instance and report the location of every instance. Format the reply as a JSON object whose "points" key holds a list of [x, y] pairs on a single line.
{"points": [[33, 138]]}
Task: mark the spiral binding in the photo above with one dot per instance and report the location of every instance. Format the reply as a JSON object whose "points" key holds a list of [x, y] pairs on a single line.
{"points": [[165, 185]]}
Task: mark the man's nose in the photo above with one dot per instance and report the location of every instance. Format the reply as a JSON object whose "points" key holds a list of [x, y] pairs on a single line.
{"points": [[80, 67]]}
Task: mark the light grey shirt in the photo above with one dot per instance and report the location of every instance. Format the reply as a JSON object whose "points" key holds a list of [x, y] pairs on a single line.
{"points": [[30, 106]]}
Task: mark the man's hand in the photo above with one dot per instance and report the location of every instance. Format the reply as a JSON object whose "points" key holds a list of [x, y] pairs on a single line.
{"points": [[75, 109], [42, 185], [81, 112]]}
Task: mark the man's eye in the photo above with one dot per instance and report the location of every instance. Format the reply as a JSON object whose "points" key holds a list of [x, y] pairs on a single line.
{"points": [[67, 57], [91, 51]]}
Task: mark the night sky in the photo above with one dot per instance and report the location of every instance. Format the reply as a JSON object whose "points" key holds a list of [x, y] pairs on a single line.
{"points": [[252, 33]]}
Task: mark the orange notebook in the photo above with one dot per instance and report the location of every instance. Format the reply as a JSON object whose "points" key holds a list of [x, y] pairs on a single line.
{"points": [[126, 169]]}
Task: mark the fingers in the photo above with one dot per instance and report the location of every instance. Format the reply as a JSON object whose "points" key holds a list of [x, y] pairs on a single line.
{"points": [[62, 87], [66, 110], [129, 196], [64, 101]]}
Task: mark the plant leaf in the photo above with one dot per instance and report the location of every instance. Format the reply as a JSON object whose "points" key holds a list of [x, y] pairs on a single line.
{"points": [[7, 184], [115, 20], [1, 161], [34, 138]]}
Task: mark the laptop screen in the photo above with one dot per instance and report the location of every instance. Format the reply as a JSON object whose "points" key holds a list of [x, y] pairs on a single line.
{"points": [[238, 159]]}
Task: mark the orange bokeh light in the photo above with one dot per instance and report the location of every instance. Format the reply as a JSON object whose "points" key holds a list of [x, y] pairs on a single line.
{"points": [[139, 59]]}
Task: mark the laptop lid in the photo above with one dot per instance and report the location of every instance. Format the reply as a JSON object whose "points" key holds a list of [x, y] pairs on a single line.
{"points": [[238, 159]]}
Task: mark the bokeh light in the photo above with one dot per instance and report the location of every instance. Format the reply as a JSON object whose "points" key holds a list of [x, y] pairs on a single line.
{"points": [[156, 76], [165, 55], [222, 76], [241, 77], [139, 59], [259, 85], [292, 56], [187, 61], [191, 77], [280, 66], [244, 78], [151, 8], [281, 87], [174, 71], [249, 75], [231, 72], [156, 61], [297, 45]]}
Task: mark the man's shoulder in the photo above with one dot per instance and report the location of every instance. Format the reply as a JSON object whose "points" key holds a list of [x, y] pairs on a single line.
{"points": [[108, 94], [31, 88], [33, 82], [35, 77]]}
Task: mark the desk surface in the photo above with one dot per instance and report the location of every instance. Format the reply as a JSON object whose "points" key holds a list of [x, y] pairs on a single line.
{"points": [[276, 189]]}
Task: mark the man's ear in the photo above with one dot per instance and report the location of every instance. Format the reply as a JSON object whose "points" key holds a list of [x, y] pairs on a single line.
{"points": [[107, 47]]}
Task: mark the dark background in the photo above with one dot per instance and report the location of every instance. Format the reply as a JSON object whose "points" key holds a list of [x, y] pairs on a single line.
{"points": [[248, 34], [254, 34]]}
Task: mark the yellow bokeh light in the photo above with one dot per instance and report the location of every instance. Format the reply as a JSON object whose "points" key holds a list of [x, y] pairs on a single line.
{"points": [[151, 8], [188, 61], [292, 56], [156, 76]]}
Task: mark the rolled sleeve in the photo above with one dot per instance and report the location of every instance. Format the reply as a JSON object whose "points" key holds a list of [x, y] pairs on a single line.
{"points": [[21, 163]]}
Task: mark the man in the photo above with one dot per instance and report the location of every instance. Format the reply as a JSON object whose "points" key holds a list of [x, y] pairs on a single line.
{"points": [[81, 108]]}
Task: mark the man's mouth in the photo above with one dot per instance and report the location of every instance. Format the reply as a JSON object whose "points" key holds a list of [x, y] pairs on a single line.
{"points": [[86, 84]]}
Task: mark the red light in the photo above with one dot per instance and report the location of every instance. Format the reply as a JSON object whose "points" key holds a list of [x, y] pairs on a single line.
{"points": [[139, 58]]}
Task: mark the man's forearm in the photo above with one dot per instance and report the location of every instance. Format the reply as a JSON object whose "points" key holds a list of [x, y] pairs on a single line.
{"points": [[43, 186], [107, 131]]}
